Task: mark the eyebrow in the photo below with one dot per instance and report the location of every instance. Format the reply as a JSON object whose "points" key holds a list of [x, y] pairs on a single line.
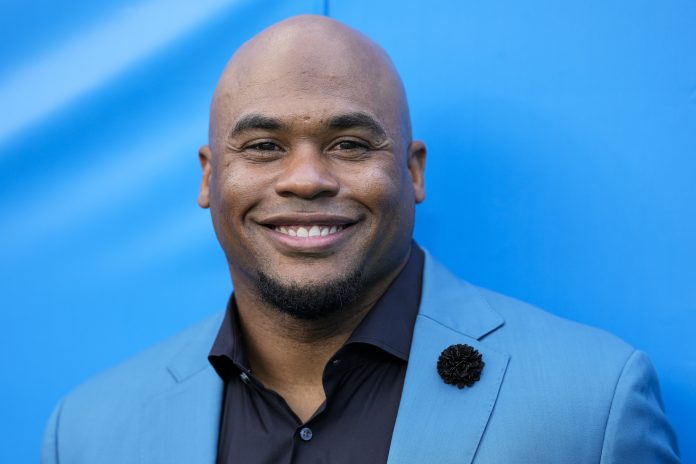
{"points": [[357, 119], [255, 121], [352, 120]]}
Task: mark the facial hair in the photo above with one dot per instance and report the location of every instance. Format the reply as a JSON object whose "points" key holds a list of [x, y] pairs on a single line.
{"points": [[313, 301]]}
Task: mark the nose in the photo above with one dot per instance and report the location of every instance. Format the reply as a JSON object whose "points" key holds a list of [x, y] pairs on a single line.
{"points": [[306, 174]]}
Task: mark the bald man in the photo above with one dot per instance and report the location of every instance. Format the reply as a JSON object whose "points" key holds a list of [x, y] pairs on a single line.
{"points": [[344, 342]]}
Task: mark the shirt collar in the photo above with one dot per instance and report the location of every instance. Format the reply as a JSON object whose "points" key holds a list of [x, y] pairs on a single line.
{"points": [[228, 345], [388, 325]]}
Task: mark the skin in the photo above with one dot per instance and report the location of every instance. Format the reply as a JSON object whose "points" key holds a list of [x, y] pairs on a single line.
{"points": [[309, 125]]}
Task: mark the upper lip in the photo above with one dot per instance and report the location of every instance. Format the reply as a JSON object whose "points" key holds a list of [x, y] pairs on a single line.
{"points": [[301, 219]]}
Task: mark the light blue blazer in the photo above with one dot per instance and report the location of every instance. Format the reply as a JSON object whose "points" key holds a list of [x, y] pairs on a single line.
{"points": [[552, 391]]}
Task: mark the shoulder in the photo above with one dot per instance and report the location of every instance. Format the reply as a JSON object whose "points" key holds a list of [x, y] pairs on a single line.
{"points": [[551, 354], [584, 382], [528, 326], [565, 359], [511, 325], [153, 369], [100, 415], [566, 383]]}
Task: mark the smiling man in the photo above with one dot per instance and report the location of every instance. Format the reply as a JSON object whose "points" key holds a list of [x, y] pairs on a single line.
{"points": [[344, 342]]}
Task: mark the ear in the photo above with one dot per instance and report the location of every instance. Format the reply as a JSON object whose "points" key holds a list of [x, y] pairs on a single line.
{"points": [[205, 158], [416, 167]]}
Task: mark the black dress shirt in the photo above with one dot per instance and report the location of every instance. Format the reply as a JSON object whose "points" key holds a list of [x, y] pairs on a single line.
{"points": [[362, 384]]}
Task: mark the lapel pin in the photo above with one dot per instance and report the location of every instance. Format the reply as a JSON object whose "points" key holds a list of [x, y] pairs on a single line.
{"points": [[460, 365]]}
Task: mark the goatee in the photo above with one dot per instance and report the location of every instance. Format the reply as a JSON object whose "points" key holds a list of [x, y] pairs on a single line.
{"points": [[311, 301]]}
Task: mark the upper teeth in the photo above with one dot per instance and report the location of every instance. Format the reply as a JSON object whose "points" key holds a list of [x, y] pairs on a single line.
{"points": [[308, 231]]}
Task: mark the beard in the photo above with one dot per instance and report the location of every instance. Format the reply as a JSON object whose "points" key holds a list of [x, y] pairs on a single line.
{"points": [[312, 301]]}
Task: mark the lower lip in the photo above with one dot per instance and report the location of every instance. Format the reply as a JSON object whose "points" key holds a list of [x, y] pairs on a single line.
{"points": [[314, 244]]}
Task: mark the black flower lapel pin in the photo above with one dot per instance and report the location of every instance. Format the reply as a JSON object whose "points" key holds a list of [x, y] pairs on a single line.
{"points": [[460, 365]]}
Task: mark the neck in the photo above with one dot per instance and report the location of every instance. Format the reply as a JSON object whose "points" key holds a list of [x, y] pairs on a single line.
{"points": [[283, 350], [288, 355]]}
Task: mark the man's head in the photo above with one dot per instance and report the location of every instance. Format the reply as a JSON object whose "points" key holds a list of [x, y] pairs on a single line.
{"points": [[310, 173]]}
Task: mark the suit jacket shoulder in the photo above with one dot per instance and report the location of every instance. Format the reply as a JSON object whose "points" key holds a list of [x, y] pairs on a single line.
{"points": [[109, 418], [552, 390]]}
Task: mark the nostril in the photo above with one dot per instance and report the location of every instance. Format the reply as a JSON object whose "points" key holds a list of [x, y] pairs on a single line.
{"points": [[306, 175], [307, 189]]}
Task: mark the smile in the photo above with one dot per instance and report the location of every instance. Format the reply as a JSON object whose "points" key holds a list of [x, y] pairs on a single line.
{"points": [[309, 233], [306, 231]]}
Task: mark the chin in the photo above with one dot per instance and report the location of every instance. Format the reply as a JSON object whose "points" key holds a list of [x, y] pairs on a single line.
{"points": [[311, 299]]}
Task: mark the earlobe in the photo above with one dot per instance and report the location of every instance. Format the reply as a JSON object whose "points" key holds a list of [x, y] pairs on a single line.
{"points": [[205, 158], [416, 167]]}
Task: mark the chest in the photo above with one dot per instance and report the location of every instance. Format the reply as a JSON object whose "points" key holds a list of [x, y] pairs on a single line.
{"points": [[353, 421]]}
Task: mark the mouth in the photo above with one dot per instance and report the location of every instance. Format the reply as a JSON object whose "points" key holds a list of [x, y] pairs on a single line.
{"points": [[308, 232]]}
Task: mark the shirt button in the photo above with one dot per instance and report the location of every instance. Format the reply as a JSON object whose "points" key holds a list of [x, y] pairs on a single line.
{"points": [[306, 433], [336, 362], [244, 377]]}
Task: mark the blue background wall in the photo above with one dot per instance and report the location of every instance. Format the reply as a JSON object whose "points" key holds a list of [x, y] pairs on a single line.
{"points": [[562, 143]]}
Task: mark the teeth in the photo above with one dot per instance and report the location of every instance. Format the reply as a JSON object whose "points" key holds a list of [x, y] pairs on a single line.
{"points": [[308, 231]]}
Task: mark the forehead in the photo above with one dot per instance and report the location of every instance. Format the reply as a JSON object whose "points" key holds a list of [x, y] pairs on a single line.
{"points": [[310, 84], [314, 104], [307, 94]]}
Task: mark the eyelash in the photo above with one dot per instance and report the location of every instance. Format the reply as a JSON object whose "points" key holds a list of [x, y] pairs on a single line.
{"points": [[356, 144], [258, 146]]}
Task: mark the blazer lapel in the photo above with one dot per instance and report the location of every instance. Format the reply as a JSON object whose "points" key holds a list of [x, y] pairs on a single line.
{"points": [[436, 419], [181, 424]]}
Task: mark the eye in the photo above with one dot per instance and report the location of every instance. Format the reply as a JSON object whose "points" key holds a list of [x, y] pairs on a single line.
{"points": [[262, 151], [264, 146], [350, 145], [350, 149]]}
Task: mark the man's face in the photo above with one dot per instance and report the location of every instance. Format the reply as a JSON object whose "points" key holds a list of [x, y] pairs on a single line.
{"points": [[309, 177]]}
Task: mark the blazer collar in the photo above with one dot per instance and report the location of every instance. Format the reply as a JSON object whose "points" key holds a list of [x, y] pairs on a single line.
{"points": [[438, 422], [455, 303], [192, 357], [181, 423]]}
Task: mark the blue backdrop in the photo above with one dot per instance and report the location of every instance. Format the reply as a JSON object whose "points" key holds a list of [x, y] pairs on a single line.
{"points": [[562, 160]]}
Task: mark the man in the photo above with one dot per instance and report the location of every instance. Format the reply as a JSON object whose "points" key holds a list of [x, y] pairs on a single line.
{"points": [[344, 342]]}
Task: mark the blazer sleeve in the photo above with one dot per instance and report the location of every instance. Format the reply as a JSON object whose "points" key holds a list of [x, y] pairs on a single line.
{"points": [[637, 429], [49, 446]]}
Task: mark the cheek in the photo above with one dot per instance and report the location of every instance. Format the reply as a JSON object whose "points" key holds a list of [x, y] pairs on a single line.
{"points": [[385, 189], [388, 194], [235, 191]]}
